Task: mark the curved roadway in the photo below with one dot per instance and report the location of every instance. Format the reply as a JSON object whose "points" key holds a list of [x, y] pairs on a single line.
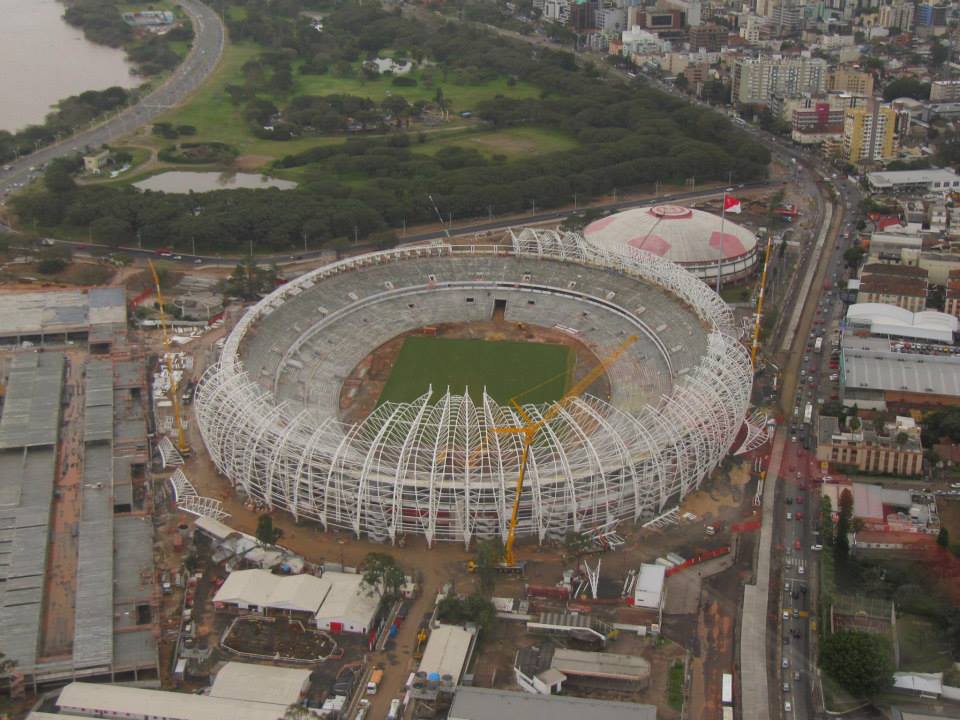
{"points": [[190, 74]]}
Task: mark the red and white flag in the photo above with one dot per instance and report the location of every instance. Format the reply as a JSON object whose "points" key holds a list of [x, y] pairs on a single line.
{"points": [[731, 205]]}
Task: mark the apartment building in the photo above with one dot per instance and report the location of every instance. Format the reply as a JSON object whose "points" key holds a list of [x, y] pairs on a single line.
{"points": [[872, 134], [951, 304], [901, 285], [854, 82], [896, 450], [897, 17], [759, 80], [945, 91]]}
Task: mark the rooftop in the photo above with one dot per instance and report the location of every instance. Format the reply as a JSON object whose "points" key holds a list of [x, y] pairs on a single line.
{"points": [[680, 234], [60, 311], [472, 703], [260, 683], [870, 363], [120, 701], [648, 591], [891, 178], [884, 319], [600, 664], [260, 588], [447, 651]]}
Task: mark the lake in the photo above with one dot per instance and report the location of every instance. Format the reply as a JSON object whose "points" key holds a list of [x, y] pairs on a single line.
{"points": [[43, 60], [182, 181]]}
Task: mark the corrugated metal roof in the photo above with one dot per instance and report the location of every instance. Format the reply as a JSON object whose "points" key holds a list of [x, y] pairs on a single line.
{"points": [[31, 409]]}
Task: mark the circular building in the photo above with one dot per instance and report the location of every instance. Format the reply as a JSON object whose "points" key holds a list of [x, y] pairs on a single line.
{"points": [[271, 410], [701, 242]]}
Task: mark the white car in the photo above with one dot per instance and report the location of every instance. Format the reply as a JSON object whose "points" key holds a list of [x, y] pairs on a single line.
{"points": [[816, 548], [787, 707]]}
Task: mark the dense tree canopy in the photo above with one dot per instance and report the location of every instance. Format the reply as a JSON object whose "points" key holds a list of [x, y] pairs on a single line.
{"points": [[862, 663], [626, 136]]}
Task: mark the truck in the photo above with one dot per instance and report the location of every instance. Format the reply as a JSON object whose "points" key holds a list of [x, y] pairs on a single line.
{"points": [[818, 345], [376, 677], [808, 414], [517, 568], [727, 689]]}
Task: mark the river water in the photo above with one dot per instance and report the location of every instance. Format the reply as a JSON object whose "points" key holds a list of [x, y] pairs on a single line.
{"points": [[43, 60]]}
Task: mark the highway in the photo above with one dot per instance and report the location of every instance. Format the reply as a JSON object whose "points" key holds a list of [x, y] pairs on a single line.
{"points": [[202, 59]]}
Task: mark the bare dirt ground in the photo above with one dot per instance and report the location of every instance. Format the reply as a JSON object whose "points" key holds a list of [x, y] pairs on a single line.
{"points": [[251, 162], [278, 637], [60, 582], [362, 388]]}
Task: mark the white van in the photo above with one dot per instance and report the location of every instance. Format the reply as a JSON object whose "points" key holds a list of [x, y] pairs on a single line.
{"points": [[394, 709]]}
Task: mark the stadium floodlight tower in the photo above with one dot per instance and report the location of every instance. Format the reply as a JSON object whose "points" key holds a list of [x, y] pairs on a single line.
{"points": [[270, 409]]}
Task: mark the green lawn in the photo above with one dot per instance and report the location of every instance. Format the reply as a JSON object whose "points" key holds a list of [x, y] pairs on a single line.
{"points": [[459, 98], [923, 645], [218, 119], [539, 372], [511, 142]]}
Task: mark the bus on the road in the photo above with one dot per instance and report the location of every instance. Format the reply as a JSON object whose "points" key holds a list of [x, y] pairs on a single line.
{"points": [[818, 345], [808, 414]]}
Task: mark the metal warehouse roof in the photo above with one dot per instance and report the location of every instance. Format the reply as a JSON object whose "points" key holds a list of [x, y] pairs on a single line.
{"points": [[892, 178], [120, 701], [472, 703], [883, 370], [31, 409], [60, 311], [260, 683]]}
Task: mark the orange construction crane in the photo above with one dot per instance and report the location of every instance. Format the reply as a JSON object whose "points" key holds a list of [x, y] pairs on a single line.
{"points": [[531, 427], [182, 445], [756, 321]]}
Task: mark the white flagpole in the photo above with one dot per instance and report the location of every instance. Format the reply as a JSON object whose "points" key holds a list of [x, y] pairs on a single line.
{"points": [[723, 222]]}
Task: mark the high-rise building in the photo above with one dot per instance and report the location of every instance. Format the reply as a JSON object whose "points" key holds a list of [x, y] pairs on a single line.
{"points": [[709, 37], [759, 80], [785, 17], [897, 17], [930, 15], [871, 134], [854, 82]]}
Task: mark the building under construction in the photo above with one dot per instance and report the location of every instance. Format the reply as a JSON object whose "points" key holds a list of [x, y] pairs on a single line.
{"points": [[78, 593]]}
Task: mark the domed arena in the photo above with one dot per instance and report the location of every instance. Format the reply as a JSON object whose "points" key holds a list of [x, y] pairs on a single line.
{"points": [[699, 241], [304, 410]]}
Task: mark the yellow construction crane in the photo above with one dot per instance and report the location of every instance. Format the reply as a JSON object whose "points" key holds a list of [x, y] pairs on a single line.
{"points": [[529, 432], [756, 321], [182, 445]]}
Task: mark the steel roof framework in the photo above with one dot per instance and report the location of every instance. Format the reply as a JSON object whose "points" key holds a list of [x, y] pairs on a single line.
{"points": [[415, 467]]}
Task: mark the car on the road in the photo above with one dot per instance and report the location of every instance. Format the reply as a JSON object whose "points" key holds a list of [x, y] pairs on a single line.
{"points": [[198, 261], [786, 687], [816, 547], [796, 674], [786, 614], [796, 544], [799, 515], [799, 500], [786, 639], [787, 707], [785, 663], [789, 501], [789, 516]]}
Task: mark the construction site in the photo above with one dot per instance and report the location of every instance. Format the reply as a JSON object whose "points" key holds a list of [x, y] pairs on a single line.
{"points": [[626, 529]]}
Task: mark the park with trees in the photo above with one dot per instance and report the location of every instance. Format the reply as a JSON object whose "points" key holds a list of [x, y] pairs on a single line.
{"points": [[583, 135]]}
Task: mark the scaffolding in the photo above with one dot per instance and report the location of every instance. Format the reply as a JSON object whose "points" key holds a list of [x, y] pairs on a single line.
{"points": [[413, 467]]}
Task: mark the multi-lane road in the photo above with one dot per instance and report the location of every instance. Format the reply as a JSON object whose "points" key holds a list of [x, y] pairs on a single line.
{"points": [[203, 57]]}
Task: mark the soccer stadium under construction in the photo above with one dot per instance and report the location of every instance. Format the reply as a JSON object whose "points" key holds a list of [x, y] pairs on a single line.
{"points": [[269, 409]]}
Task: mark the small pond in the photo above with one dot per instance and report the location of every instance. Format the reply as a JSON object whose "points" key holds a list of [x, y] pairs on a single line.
{"points": [[182, 181]]}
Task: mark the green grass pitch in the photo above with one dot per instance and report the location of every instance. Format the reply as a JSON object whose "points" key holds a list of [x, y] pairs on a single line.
{"points": [[538, 371]]}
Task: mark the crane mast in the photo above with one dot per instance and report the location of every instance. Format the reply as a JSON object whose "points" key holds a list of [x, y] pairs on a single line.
{"points": [[182, 445], [530, 429]]}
